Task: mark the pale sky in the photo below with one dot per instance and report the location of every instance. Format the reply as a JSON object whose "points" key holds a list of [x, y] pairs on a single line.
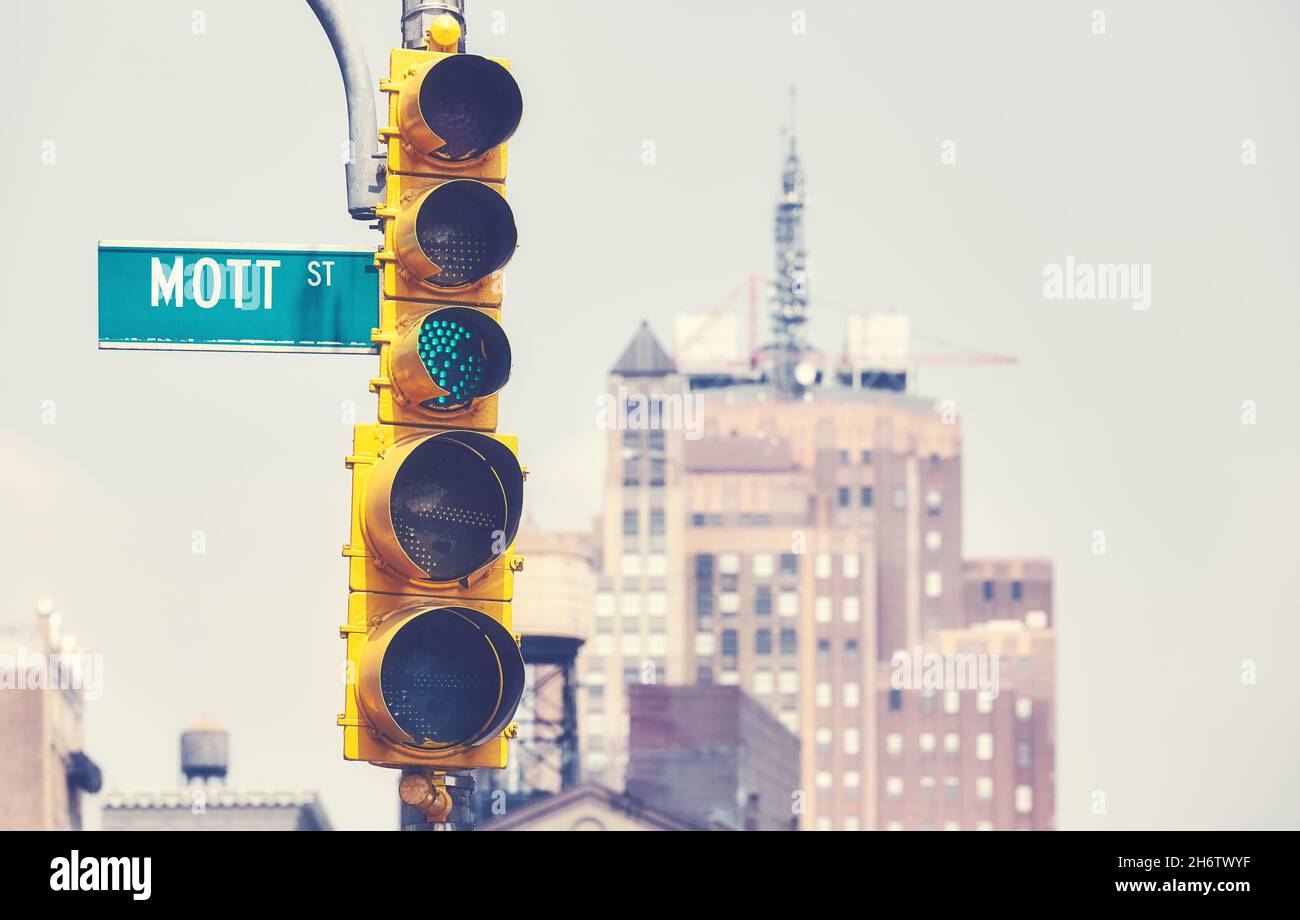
{"points": [[1125, 147]]}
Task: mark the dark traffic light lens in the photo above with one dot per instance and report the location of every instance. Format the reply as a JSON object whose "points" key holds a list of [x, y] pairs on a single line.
{"points": [[448, 510], [441, 679], [467, 230], [471, 103]]}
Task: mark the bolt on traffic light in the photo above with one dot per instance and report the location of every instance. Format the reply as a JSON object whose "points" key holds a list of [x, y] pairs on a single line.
{"points": [[434, 672]]}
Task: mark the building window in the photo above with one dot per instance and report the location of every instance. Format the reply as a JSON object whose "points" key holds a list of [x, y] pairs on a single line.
{"points": [[787, 604], [631, 565], [844, 456], [927, 788], [866, 456], [843, 497], [984, 788], [983, 703], [789, 564], [852, 779], [656, 439], [704, 675], [705, 644], [1036, 619], [630, 604], [729, 603], [1024, 708], [704, 605], [951, 744], [933, 541], [850, 653], [822, 695], [789, 642], [933, 584], [656, 564], [823, 652], [894, 788], [630, 524], [604, 604], [729, 563], [983, 825], [852, 742], [984, 746], [1024, 754], [657, 471], [656, 522], [927, 744], [656, 603], [864, 497], [1017, 590], [852, 823], [852, 565], [763, 565], [951, 702], [900, 498], [704, 566], [933, 503], [763, 642], [825, 738], [988, 590], [632, 471], [895, 700], [951, 790], [763, 601], [927, 700], [822, 609], [852, 610], [852, 695], [894, 744], [764, 683], [1024, 799], [823, 565], [787, 682], [730, 645]]}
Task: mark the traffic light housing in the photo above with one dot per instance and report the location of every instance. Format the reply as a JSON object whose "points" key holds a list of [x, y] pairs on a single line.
{"points": [[434, 671]]}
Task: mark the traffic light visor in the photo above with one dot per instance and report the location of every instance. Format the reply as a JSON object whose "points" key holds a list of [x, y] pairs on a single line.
{"points": [[442, 507], [466, 103], [441, 678]]}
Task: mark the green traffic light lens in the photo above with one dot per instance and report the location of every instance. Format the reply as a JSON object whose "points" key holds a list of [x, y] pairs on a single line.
{"points": [[454, 357], [465, 354]]}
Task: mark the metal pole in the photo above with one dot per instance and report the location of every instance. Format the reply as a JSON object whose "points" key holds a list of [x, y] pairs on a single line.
{"points": [[417, 14], [364, 169]]}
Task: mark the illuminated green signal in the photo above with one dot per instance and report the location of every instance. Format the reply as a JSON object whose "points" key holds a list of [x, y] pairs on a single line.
{"points": [[453, 356]]}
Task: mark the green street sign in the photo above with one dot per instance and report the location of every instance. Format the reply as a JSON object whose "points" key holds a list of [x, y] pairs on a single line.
{"points": [[219, 297]]}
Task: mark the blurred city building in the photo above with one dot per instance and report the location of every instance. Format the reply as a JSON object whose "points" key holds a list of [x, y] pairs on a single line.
{"points": [[205, 802], [789, 521], [713, 756], [44, 681], [587, 807]]}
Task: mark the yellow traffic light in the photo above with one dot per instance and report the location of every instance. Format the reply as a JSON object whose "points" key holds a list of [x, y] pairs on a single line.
{"points": [[434, 671]]}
